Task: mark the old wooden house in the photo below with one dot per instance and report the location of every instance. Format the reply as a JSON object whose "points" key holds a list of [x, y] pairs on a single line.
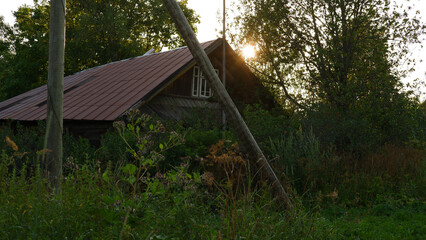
{"points": [[168, 84]]}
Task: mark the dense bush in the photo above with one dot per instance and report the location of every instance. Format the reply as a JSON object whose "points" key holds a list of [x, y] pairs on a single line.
{"points": [[28, 141], [368, 124], [112, 148], [266, 125], [77, 149], [341, 159]]}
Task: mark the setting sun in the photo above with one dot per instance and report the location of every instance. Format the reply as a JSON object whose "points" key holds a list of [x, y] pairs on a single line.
{"points": [[249, 51]]}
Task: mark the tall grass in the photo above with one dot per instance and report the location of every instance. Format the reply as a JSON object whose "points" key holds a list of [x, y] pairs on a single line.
{"points": [[209, 197]]}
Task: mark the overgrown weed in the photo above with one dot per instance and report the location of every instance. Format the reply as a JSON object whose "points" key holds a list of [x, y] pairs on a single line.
{"points": [[104, 197]]}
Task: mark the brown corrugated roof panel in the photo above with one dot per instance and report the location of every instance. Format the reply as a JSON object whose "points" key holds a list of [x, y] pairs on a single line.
{"points": [[105, 92]]}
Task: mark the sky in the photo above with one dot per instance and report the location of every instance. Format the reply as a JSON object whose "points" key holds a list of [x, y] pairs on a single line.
{"points": [[208, 29]]}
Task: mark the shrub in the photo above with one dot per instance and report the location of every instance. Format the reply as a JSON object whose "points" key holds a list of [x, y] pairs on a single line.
{"points": [[226, 168], [368, 124], [203, 118], [29, 140], [112, 148], [77, 150], [349, 133], [196, 145], [335, 158], [394, 171], [265, 124], [293, 149]]}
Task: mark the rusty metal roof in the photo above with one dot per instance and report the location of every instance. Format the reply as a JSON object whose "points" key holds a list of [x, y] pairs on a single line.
{"points": [[106, 92]]}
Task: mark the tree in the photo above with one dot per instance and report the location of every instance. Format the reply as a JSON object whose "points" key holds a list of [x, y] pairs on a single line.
{"points": [[112, 30], [98, 32], [5, 46], [24, 62], [344, 55], [334, 49]]}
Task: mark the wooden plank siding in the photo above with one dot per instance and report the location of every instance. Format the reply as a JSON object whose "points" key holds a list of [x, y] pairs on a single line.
{"points": [[182, 85], [179, 107]]}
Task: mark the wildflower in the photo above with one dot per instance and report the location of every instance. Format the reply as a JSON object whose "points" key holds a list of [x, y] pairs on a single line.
{"points": [[177, 136], [11, 144], [158, 175], [70, 164], [44, 151], [157, 156], [119, 125], [333, 195], [160, 127], [208, 178]]}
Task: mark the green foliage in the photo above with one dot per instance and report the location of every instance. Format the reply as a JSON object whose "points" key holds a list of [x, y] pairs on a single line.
{"points": [[293, 148], [265, 124], [146, 153], [369, 124], [351, 132], [114, 30], [25, 61], [340, 64], [4, 53], [28, 142], [283, 140], [30, 211], [198, 139], [382, 221], [328, 160], [197, 142], [336, 52], [393, 172], [77, 149], [112, 147], [102, 200]]}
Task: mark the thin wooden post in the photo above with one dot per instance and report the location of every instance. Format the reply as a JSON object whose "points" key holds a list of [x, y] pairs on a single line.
{"points": [[243, 132], [55, 90], [224, 57]]}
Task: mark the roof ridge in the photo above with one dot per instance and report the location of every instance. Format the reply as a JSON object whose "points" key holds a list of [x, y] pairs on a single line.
{"points": [[136, 57]]}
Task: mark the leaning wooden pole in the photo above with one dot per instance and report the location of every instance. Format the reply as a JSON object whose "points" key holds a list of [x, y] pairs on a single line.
{"points": [[236, 120], [55, 89], [224, 56]]}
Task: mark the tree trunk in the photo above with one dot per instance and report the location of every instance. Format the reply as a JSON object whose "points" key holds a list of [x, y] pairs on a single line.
{"points": [[55, 90], [243, 132]]}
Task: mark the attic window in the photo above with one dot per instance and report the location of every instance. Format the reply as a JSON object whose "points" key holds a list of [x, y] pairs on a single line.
{"points": [[200, 86]]}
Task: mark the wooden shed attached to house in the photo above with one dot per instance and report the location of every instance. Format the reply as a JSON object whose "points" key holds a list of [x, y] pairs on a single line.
{"points": [[168, 84]]}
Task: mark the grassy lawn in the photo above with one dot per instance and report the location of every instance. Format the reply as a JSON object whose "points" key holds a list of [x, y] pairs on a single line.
{"points": [[382, 221]]}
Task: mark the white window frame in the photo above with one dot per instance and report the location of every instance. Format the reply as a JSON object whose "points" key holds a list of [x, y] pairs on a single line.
{"points": [[200, 85]]}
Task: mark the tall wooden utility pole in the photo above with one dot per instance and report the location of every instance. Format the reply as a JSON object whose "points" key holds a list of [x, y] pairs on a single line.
{"points": [[55, 93], [224, 56], [243, 132]]}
